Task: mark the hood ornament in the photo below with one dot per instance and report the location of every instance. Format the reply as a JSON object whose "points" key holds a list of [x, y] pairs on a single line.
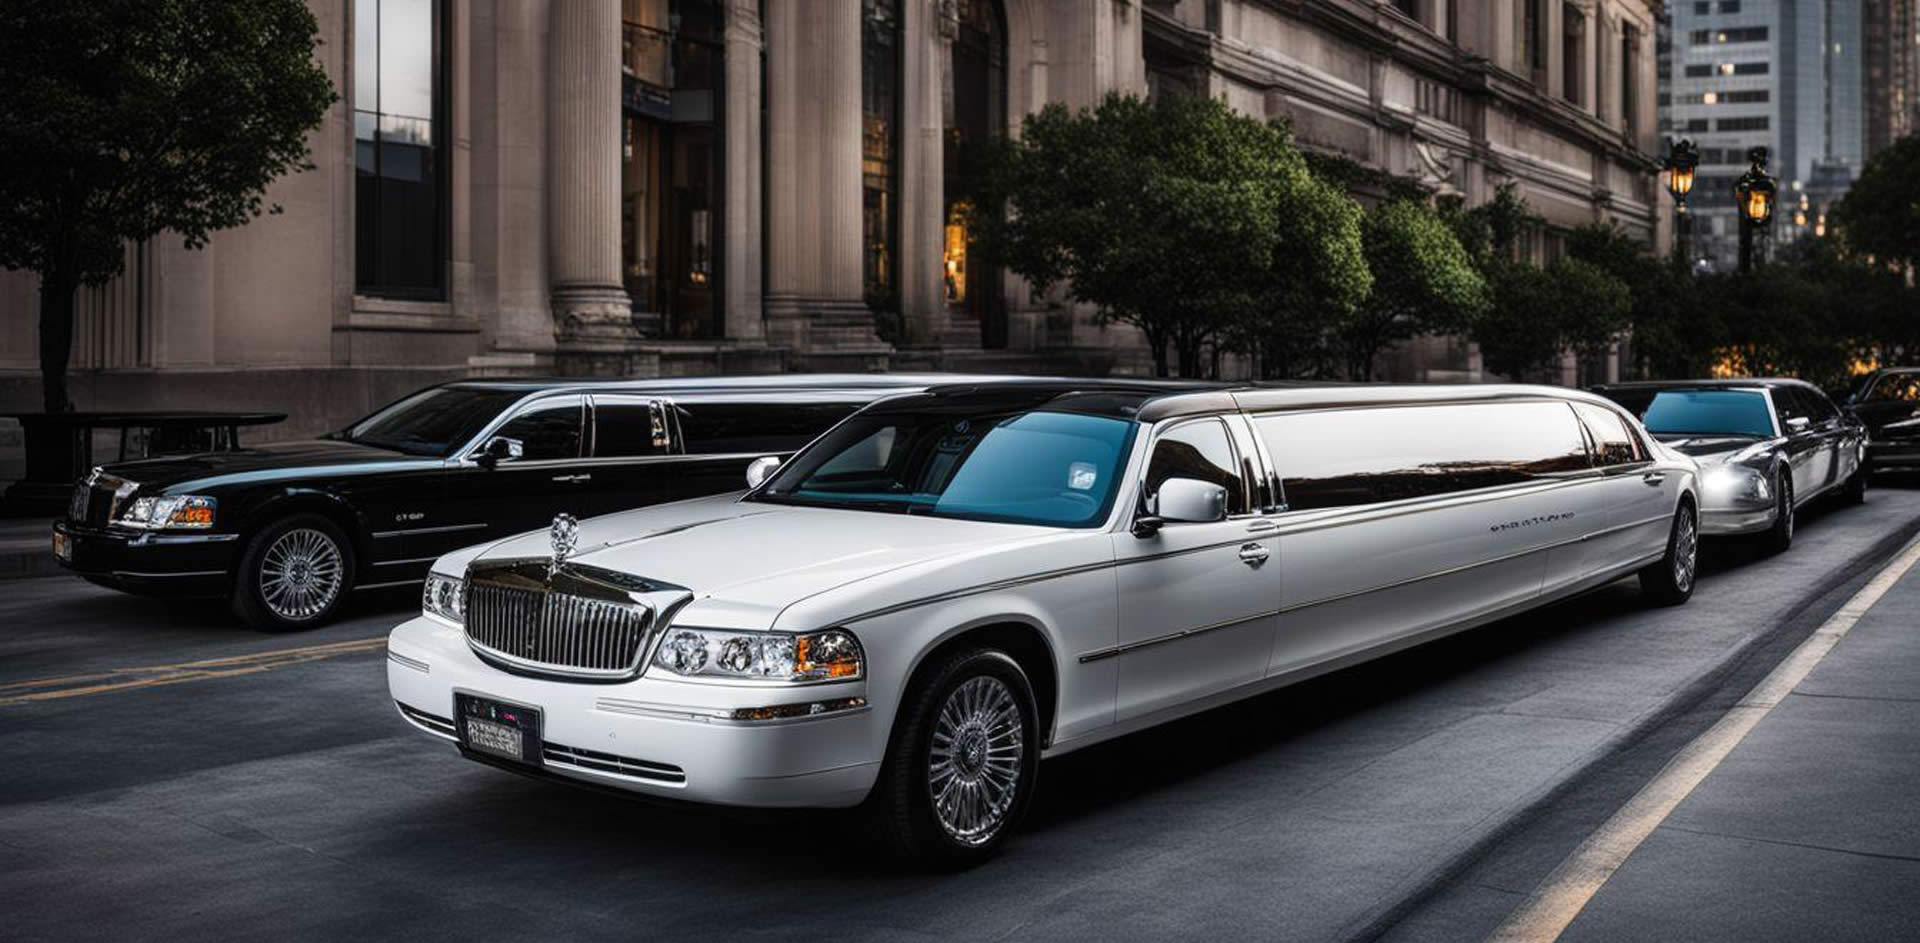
{"points": [[564, 536]]}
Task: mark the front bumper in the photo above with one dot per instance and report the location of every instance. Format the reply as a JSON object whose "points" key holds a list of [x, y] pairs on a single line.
{"points": [[1730, 520], [653, 736], [157, 564]]}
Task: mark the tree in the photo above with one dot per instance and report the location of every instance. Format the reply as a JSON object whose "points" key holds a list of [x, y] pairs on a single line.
{"points": [[123, 118], [1424, 282], [1880, 215], [1537, 313], [1175, 215]]}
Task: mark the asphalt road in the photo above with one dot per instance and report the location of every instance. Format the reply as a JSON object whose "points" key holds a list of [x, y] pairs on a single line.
{"points": [[168, 774]]}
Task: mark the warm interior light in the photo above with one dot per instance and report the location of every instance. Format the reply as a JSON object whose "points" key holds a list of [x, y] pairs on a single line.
{"points": [[1710, 98], [1759, 205]]}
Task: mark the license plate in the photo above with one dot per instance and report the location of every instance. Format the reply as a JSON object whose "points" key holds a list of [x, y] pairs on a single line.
{"points": [[62, 547], [498, 729]]}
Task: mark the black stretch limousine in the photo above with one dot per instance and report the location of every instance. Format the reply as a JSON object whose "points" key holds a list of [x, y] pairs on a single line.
{"points": [[287, 530]]}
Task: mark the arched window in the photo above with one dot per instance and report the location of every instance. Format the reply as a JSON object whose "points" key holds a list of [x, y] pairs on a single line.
{"points": [[976, 113]]}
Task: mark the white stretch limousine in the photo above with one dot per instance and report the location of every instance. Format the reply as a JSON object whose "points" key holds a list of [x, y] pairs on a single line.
{"points": [[950, 585]]}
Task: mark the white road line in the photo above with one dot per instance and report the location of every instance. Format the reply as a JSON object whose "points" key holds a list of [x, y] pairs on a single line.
{"points": [[1553, 905]]}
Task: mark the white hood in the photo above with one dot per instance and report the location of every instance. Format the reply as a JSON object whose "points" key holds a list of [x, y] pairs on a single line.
{"points": [[745, 562]]}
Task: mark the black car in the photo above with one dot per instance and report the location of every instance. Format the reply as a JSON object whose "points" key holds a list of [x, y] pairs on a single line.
{"points": [[1765, 447], [287, 530], [1888, 402]]}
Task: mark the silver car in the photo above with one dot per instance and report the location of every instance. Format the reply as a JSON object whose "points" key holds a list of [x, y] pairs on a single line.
{"points": [[1765, 447]]}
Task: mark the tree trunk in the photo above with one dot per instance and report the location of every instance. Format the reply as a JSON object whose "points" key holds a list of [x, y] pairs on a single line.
{"points": [[1188, 346], [56, 339], [1157, 342]]}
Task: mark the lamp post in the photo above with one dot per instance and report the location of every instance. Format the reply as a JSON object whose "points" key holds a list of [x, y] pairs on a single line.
{"points": [[1682, 157], [1753, 195]]}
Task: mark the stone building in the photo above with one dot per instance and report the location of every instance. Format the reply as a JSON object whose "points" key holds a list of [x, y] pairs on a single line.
{"points": [[697, 186]]}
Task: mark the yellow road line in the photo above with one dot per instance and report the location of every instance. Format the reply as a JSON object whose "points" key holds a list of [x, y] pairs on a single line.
{"points": [[1552, 906], [123, 679]]}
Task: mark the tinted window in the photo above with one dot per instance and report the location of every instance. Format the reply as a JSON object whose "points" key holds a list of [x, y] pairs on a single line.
{"points": [[432, 422], [548, 429], [1028, 467], [1817, 404], [1790, 405], [1699, 412], [627, 425], [1894, 387], [1365, 456], [1198, 450], [757, 426], [1613, 442]]}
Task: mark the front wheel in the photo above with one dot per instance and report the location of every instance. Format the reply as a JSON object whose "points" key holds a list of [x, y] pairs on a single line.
{"points": [[960, 769], [295, 574], [1780, 536], [1669, 582]]}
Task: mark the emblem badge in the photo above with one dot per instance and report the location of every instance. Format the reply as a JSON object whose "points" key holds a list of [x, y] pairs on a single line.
{"points": [[564, 535]]}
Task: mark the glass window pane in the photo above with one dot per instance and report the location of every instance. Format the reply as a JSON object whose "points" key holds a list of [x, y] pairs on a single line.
{"points": [[547, 430], [366, 55], [1340, 458], [623, 426], [1198, 450], [406, 58], [1614, 443], [758, 427]]}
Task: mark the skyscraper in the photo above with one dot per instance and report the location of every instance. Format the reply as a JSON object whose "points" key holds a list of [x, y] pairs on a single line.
{"points": [[1892, 52]]}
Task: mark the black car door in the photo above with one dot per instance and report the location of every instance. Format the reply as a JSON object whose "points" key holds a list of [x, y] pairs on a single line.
{"points": [[1831, 429], [630, 445], [1803, 440], [512, 495]]}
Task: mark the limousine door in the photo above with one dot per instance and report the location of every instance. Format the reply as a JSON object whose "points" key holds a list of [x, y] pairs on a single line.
{"points": [[520, 494], [1639, 498], [1196, 600], [1405, 520]]}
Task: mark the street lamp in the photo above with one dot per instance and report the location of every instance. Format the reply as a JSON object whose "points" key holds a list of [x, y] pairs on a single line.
{"points": [[1753, 197], [1682, 157]]}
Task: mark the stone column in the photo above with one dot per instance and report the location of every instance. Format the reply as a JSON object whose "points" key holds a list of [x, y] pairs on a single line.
{"points": [[814, 283], [590, 305], [510, 185], [927, 38], [741, 271]]}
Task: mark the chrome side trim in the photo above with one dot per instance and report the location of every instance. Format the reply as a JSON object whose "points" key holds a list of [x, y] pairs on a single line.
{"points": [[1627, 526], [443, 529], [148, 576], [406, 561], [438, 726], [414, 663], [389, 584], [1110, 652]]}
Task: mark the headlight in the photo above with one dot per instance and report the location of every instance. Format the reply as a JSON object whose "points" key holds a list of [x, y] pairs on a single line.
{"points": [[446, 597], [832, 655], [173, 511], [1737, 483]]}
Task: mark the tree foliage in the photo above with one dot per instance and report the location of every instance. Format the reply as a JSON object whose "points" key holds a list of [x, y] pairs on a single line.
{"points": [[123, 118], [1175, 215], [1424, 282], [1539, 312], [1880, 215]]}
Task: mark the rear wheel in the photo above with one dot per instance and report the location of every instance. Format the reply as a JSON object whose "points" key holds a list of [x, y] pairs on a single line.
{"points": [[295, 574], [1669, 582], [960, 768], [1780, 536]]}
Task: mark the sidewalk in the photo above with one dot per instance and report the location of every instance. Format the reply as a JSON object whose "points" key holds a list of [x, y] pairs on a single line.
{"points": [[1810, 828], [26, 549]]}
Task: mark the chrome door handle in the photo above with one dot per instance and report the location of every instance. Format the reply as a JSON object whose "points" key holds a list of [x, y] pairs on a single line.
{"points": [[1261, 527], [1253, 554], [565, 478], [1653, 479]]}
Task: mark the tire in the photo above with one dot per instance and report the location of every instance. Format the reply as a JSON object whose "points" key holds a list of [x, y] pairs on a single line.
{"points": [[1669, 582], [1779, 537], [971, 690], [295, 574]]}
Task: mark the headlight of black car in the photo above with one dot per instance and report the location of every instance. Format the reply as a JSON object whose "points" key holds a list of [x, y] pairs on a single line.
{"points": [[168, 512]]}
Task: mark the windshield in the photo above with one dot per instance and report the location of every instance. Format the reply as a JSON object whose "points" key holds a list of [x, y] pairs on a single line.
{"points": [[1894, 387], [1042, 467], [431, 422], [1705, 412]]}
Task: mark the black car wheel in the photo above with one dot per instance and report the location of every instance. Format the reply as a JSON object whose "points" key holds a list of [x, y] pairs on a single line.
{"points": [[1669, 581], [295, 574], [960, 769], [1780, 536]]}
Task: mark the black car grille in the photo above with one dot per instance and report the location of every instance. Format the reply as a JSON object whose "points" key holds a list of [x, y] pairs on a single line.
{"points": [[93, 502], [557, 630]]}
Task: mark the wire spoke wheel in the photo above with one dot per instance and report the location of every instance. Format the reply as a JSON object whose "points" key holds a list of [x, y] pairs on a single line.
{"points": [[301, 574], [1686, 551], [973, 768]]}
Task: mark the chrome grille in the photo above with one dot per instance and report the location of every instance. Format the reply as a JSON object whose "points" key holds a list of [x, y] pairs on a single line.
{"points": [[556, 629]]}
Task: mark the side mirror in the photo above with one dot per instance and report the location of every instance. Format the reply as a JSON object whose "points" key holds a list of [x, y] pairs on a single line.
{"points": [[761, 469], [1182, 501], [500, 449], [1798, 424]]}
